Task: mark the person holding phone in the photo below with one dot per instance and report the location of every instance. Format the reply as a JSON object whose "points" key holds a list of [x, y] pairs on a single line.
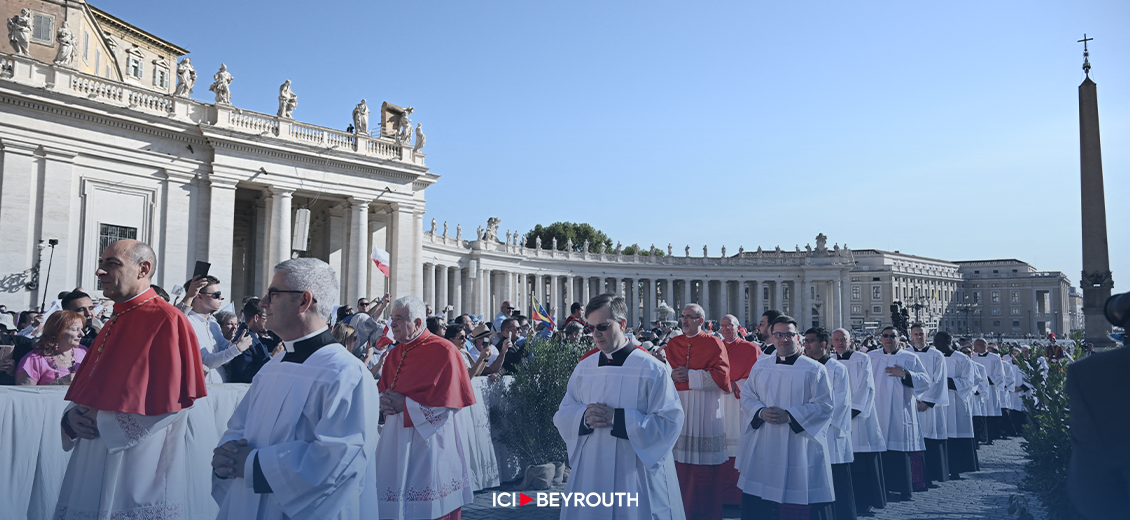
{"points": [[215, 350]]}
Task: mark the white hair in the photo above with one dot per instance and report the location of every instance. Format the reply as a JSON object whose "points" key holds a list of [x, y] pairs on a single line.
{"points": [[316, 276], [845, 332], [732, 318], [697, 309], [415, 306]]}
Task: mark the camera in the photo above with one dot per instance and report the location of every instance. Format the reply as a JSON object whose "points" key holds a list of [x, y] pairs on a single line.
{"points": [[1117, 310], [52, 242]]}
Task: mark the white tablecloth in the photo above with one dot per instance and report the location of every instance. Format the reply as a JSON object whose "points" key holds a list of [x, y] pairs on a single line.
{"points": [[32, 460]]}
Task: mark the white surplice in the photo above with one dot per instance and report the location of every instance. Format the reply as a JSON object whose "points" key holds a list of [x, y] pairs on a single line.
{"points": [[703, 439], [994, 372], [932, 422], [776, 463], [642, 463], [839, 429], [866, 435], [1016, 399], [977, 401], [424, 472], [732, 408], [1004, 388], [313, 426], [136, 468], [894, 401], [959, 413]]}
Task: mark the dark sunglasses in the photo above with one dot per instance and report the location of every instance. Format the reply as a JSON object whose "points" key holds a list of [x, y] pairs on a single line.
{"points": [[215, 295], [890, 335], [603, 327]]}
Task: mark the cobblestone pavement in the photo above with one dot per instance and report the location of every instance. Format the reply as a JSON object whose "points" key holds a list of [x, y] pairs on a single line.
{"points": [[977, 495]]}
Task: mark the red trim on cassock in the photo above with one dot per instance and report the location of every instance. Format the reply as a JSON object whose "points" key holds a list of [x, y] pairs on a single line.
{"points": [[433, 375], [743, 355], [150, 364]]}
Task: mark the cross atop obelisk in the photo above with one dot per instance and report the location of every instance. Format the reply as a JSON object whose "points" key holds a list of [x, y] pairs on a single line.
{"points": [[1096, 280], [1086, 54]]}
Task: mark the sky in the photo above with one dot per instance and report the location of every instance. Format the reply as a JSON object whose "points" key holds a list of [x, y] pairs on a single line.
{"points": [[940, 129]]}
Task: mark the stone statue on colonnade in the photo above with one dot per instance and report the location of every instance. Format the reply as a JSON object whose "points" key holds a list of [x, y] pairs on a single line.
{"points": [[361, 118], [19, 32], [419, 138], [222, 85], [67, 44], [186, 78], [288, 100]]}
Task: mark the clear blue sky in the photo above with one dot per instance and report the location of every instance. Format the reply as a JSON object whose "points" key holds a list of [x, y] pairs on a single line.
{"points": [[942, 129]]}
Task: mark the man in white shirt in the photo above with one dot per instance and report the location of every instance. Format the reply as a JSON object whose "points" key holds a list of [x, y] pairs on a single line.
{"points": [[620, 418], [994, 374], [301, 442], [215, 350], [867, 441], [504, 312], [839, 429], [899, 376], [932, 407]]}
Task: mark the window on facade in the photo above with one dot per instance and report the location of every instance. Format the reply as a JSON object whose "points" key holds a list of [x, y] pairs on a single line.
{"points": [[876, 279], [135, 68], [1016, 311], [160, 77], [765, 294], [876, 309], [877, 293], [898, 292], [996, 311], [996, 296], [1016, 324], [996, 323], [856, 292], [43, 28], [857, 309], [97, 60], [976, 272], [1015, 296], [976, 296], [855, 279], [86, 46], [108, 234]]}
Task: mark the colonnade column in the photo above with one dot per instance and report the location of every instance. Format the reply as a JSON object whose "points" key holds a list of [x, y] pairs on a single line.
{"points": [[570, 292], [555, 297], [458, 294], [442, 299], [757, 301], [585, 290], [705, 297], [688, 286], [778, 295], [724, 297], [630, 289], [648, 301], [429, 287]]}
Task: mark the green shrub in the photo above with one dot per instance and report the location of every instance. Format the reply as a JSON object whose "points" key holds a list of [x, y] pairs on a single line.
{"points": [[1047, 439], [532, 399]]}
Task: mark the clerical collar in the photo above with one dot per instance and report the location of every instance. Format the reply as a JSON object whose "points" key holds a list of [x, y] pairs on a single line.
{"points": [[693, 335], [890, 353], [788, 360], [617, 358], [301, 349], [846, 355], [824, 360], [290, 344], [983, 354], [946, 354], [120, 307], [923, 349]]}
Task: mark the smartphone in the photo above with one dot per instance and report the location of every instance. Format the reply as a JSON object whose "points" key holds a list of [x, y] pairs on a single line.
{"points": [[239, 333], [201, 269]]}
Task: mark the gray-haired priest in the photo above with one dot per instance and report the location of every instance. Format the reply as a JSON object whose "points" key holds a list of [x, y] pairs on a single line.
{"points": [[620, 418], [301, 442], [786, 472]]}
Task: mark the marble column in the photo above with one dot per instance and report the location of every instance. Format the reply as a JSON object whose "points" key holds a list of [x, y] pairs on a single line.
{"points": [[555, 298], [59, 219], [442, 298], [648, 301], [705, 297], [358, 251], [585, 290], [778, 295], [176, 265], [17, 209], [688, 291], [429, 286], [836, 287], [458, 292], [724, 298], [487, 305], [221, 223], [633, 302], [667, 294]]}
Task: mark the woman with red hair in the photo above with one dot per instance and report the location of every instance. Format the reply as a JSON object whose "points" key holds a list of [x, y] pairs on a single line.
{"points": [[57, 354]]}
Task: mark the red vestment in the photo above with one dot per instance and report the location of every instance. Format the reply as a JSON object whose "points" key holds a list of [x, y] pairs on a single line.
{"points": [[431, 372], [701, 352], [146, 361], [743, 355]]}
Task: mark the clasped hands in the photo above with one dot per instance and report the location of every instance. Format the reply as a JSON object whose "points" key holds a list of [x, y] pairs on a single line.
{"points": [[599, 415], [84, 421], [680, 375], [392, 403], [774, 415], [229, 459]]}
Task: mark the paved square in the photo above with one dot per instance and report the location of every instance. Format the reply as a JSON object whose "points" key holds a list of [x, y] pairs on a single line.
{"points": [[977, 495]]}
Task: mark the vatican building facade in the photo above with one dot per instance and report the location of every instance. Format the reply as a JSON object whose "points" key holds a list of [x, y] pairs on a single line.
{"points": [[99, 140]]}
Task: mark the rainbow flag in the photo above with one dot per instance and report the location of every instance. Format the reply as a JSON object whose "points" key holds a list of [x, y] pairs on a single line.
{"points": [[541, 315]]}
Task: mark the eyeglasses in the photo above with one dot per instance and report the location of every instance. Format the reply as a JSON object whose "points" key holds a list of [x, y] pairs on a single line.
{"points": [[214, 295], [603, 327], [780, 335], [890, 336], [685, 317], [363, 304], [271, 292]]}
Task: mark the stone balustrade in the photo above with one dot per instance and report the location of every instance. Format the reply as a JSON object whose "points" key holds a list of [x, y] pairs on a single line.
{"points": [[33, 73]]}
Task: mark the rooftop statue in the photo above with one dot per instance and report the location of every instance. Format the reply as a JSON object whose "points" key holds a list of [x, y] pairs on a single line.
{"points": [[67, 46], [222, 85], [419, 139], [186, 78], [288, 101], [361, 118], [19, 32]]}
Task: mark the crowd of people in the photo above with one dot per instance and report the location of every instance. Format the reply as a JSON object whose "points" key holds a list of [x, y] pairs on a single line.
{"points": [[784, 421]]}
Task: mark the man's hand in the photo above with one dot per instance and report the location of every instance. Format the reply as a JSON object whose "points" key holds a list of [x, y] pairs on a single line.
{"points": [[774, 415], [194, 287], [8, 366], [244, 343], [484, 355], [505, 346], [896, 371], [922, 406], [599, 415], [229, 459], [84, 421], [680, 375], [392, 402], [376, 308]]}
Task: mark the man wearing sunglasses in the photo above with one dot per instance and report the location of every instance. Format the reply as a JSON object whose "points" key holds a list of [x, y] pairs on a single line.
{"points": [[504, 313], [215, 350], [701, 372], [899, 376], [620, 419]]}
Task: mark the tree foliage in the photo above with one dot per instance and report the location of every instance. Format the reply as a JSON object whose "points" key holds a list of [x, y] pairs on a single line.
{"points": [[565, 231], [1047, 438]]}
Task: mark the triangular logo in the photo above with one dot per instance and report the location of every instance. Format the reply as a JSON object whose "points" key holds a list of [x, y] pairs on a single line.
{"points": [[523, 499]]}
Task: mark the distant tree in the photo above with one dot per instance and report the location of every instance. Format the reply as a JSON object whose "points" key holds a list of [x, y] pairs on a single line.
{"points": [[631, 250], [564, 231]]}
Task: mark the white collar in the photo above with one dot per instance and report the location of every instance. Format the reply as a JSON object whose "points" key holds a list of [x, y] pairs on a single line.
{"points": [[290, 344], [693, 335]]}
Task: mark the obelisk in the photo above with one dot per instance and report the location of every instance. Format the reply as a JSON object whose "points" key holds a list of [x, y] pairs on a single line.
{"points": [[1097, 280]]}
